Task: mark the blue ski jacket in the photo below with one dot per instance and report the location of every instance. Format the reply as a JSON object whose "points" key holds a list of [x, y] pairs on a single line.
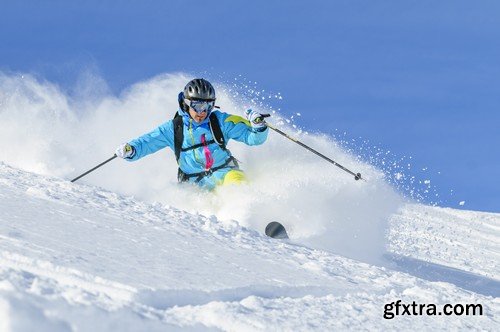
{"points": [[196, 160]]}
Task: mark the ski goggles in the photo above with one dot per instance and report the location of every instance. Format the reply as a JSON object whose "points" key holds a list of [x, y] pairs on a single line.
{"points": [[200, 106]]}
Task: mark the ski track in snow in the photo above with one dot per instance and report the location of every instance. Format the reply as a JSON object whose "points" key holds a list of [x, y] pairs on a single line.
{"points": [[75, 257], [466, 240]]}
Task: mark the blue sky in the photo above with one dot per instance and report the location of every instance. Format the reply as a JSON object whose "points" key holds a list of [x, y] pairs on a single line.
{"points": [[418, 78]]}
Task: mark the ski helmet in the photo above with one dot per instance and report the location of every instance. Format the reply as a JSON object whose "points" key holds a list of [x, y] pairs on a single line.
{"points": [[199, 89]]}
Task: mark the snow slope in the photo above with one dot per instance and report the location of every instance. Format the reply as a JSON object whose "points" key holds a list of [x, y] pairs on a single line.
{"points": [[148, 254], [77, 257], [466, 240]]}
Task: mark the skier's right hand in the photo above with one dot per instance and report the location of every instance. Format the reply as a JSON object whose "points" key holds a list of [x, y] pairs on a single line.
{"points": [[125, 150]]}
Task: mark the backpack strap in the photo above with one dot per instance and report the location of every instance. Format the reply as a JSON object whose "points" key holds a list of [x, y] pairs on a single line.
{"points": [[178, 135], [199, 145], [183, 177], [216, 131]]}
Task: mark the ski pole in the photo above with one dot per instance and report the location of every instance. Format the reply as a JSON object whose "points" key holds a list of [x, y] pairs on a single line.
{"points": [[93, 169], [357, 176]]}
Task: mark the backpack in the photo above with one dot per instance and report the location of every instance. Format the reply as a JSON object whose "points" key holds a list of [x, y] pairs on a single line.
{"points": [[179, 135]]}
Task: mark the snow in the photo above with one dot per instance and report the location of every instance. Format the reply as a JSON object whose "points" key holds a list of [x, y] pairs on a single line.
{"points": [[62, 136], [465, 240], [128, 249], [77, 257]]}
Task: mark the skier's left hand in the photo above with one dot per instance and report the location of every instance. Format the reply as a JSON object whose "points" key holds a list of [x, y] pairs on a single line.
{"points": [[256, 120]]}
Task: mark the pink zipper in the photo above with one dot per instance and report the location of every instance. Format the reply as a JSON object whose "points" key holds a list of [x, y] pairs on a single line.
{"points": [[208, 155]]}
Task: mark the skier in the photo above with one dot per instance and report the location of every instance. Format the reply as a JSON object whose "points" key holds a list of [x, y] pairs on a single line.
{"points": [[198, 135]]}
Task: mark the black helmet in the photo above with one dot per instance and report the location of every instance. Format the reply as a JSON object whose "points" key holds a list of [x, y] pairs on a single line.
{"points": [[199, 89]]}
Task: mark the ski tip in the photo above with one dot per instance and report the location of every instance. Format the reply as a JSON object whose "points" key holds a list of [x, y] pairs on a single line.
{"points": [[276, 230]]}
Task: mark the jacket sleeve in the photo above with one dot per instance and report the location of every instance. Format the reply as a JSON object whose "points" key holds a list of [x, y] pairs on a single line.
{"points": [[153, 141], [238, 128]]}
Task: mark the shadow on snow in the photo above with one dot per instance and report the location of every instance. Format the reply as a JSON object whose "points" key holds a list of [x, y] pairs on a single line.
{"points": [[436, 272]]}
